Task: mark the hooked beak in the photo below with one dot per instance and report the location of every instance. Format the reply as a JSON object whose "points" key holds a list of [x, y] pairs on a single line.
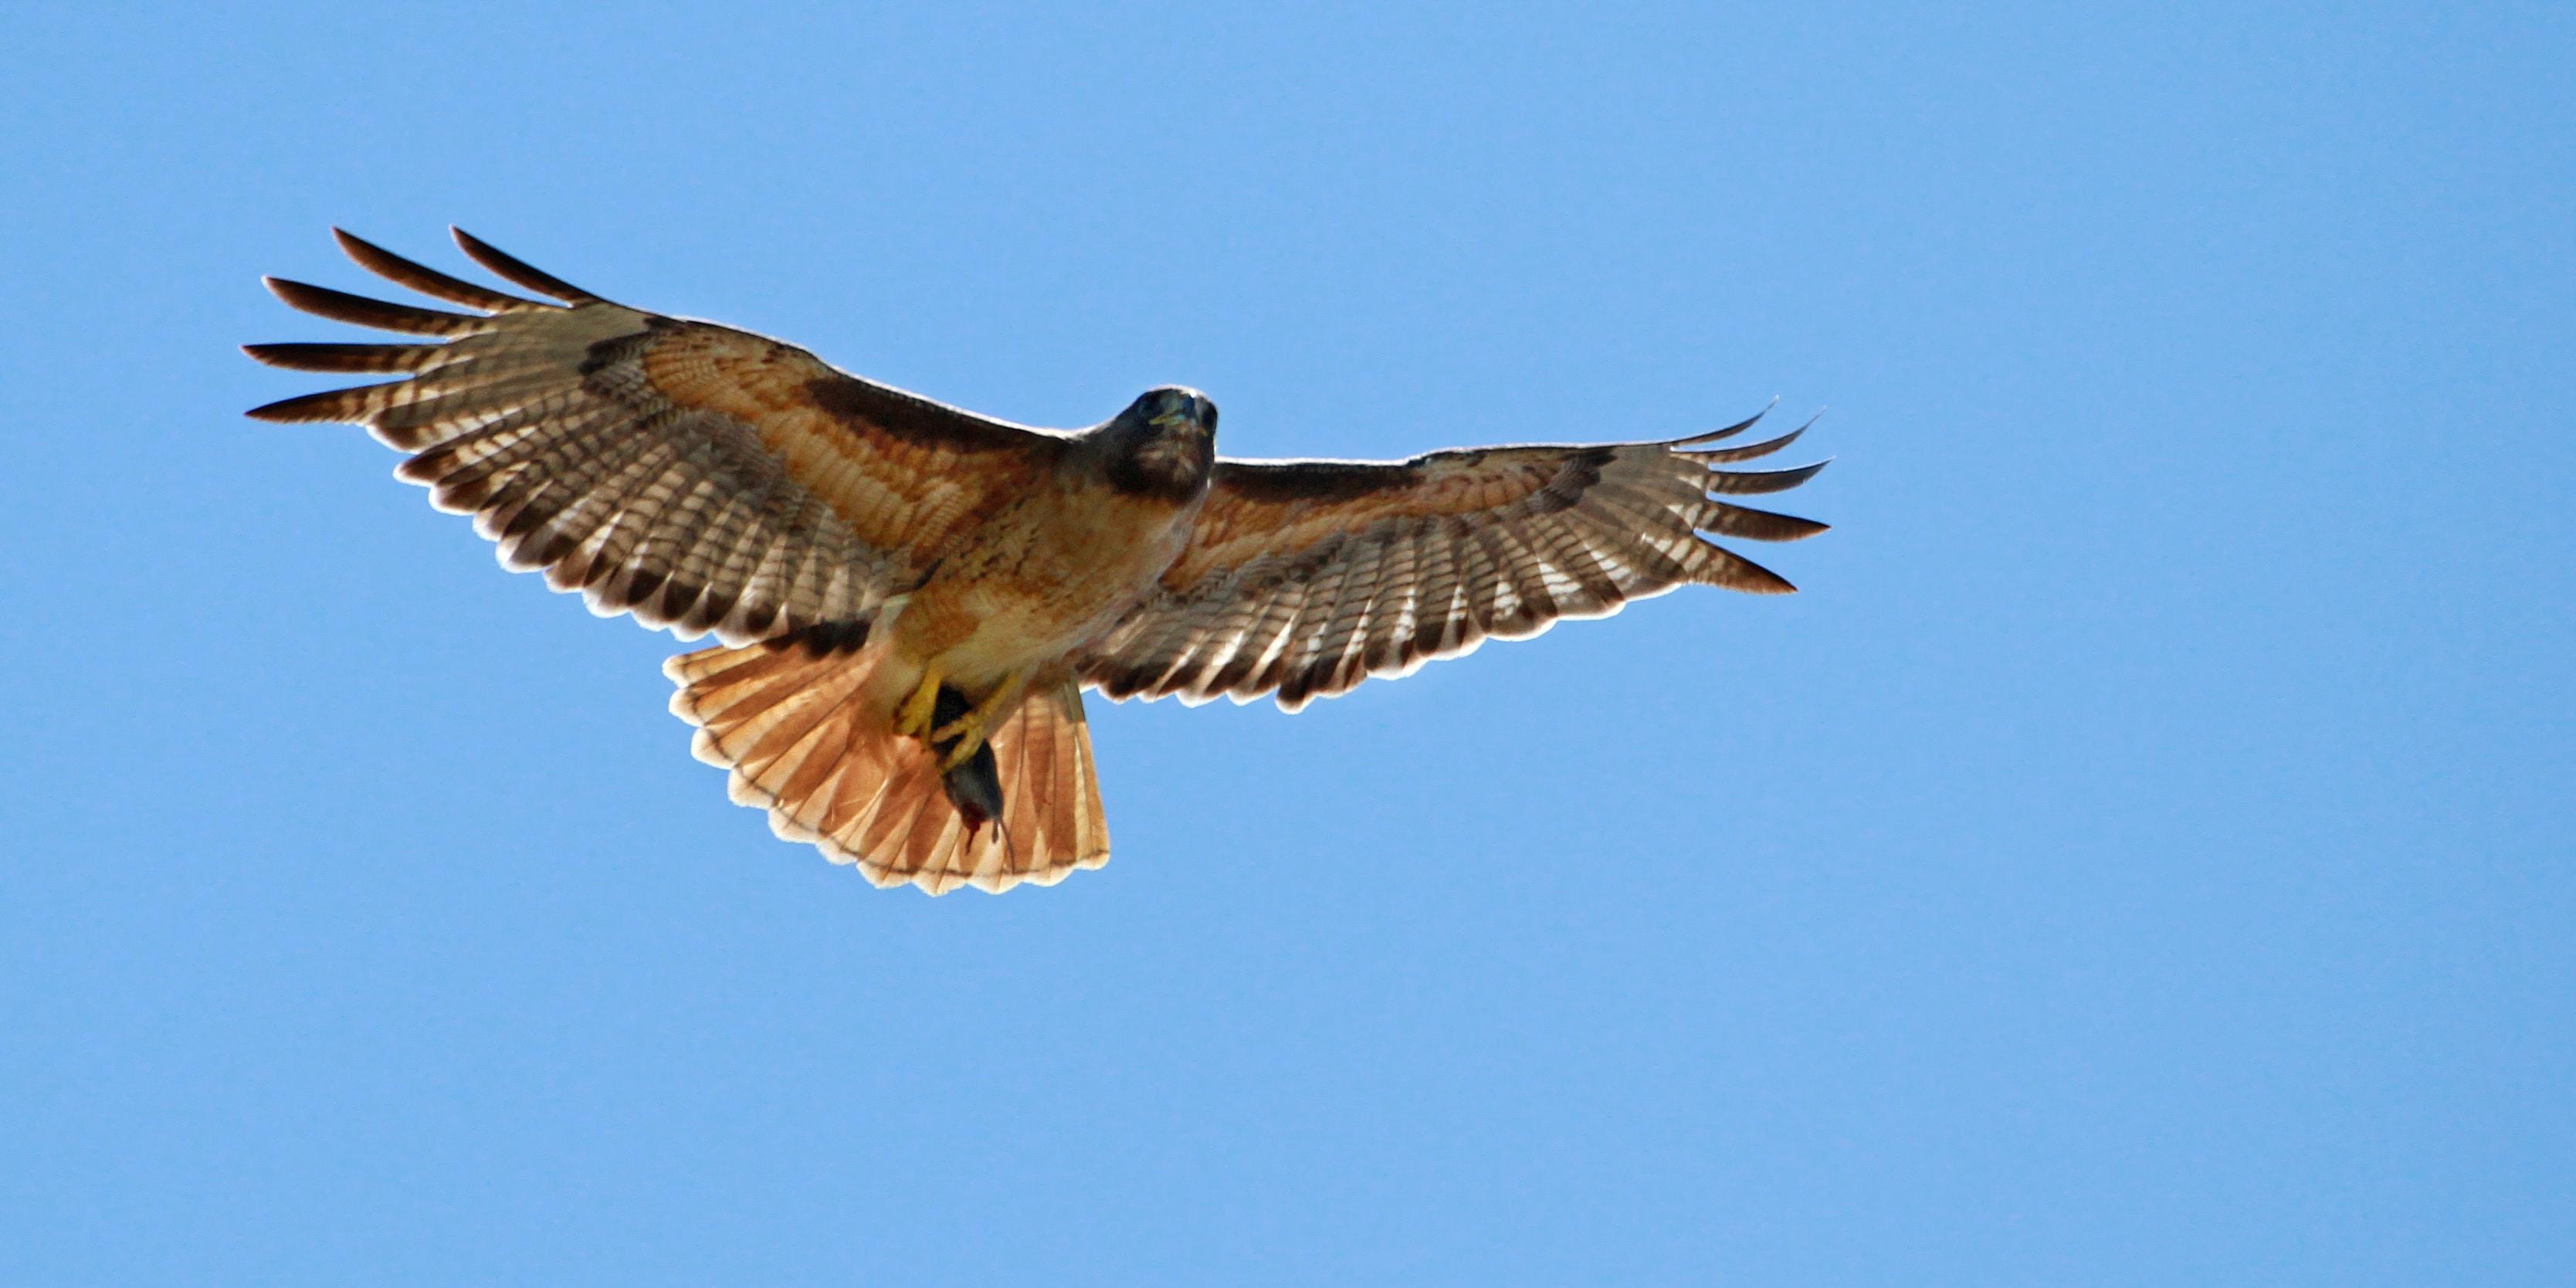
{"points": [[1196, 412]]}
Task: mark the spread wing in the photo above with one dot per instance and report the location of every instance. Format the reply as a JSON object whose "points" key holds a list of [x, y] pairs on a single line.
{"points": [[1303, 578], [699, 477]]}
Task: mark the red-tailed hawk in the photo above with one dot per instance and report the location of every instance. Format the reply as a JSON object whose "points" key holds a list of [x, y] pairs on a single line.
{"points": [[909, 598]]}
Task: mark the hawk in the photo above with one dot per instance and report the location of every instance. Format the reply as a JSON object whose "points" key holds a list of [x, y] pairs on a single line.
{"points": [[908, 599]]}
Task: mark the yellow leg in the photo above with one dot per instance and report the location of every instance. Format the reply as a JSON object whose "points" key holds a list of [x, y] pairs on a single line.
{"points": [[912, 719], [971, 729]]}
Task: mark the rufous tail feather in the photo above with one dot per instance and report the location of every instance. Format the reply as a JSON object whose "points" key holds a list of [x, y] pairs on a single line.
{"points": [[797, 730]]}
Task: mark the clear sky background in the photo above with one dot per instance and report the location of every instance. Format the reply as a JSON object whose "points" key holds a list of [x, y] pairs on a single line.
{"points": [[2140, 856]]}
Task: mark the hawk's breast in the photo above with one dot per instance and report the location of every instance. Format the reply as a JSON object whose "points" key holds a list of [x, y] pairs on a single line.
{"points": [[1044, 575]]}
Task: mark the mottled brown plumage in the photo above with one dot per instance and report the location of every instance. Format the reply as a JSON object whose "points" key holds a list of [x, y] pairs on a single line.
{"points": [[858, 551]]}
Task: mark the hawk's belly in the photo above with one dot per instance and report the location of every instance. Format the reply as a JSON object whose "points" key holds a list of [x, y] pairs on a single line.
{"points": [[1038, 580]]}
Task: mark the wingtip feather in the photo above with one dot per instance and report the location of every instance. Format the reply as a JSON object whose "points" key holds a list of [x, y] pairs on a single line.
{"points": [[1729, 431], [358, 310], [1756, 482], [517, 270], [327, 405], [424, 279]]}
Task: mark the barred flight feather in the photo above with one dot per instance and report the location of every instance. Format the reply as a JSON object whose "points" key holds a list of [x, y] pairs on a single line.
{"points": [[348, 357], [514, 270], [379, 315], [1748, 452], [1304, 578], [426, 280], [620, 451]]}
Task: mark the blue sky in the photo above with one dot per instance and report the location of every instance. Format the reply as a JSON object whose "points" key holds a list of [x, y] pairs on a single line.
{"points": [[2141, 855]]}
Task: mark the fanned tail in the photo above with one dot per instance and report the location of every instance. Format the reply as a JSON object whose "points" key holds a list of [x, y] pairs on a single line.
{"points": [[803, 738]]}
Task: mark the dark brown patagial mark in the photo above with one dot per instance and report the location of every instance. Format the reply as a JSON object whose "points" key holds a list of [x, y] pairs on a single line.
{"points": [[906, 419], [1292, 481]]}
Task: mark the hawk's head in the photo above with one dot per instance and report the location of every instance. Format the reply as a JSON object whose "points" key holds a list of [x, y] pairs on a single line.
{"points": [[1163, 444]]}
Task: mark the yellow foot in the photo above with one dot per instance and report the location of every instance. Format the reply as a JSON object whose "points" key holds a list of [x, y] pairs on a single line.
{"points": [[912, 719], [971, 729], [969, 732]]}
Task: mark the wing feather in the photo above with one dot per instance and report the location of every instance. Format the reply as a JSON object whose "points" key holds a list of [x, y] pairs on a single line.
{"points": [[426, 280], [1303, 578], [698, 477], [379, 315]]}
